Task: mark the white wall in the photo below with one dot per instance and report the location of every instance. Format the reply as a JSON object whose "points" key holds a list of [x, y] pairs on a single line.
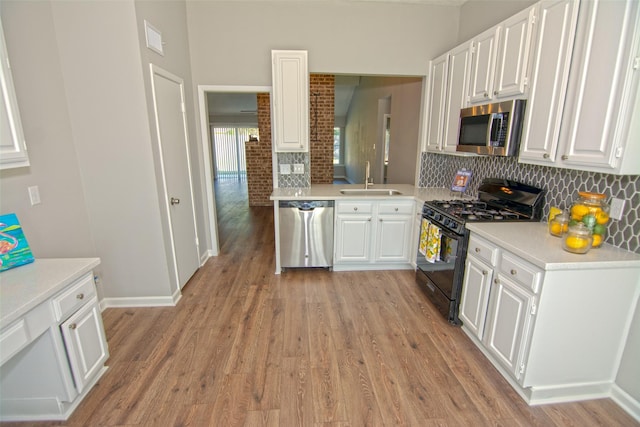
{"points": [[82, 101], [230, 42], [477, 16]]}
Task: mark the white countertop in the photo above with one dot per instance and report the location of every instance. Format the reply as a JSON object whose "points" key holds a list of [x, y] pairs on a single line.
{"points": [[332, 192], [23, 288], [532, 241]]}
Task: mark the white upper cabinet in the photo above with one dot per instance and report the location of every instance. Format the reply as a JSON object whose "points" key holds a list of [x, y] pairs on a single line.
{"points": [[13, 149], [448, 77], [500, 59], [600, 130], [457, 80], [550, 62], [437, 90], [483, 64], [290, 99]]}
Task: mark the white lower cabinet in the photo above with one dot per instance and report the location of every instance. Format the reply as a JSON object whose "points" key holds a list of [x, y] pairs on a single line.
{"points": [[56, 351], [86, 343], [475, 295], [509, 320], [555, 333], [372, 234]]}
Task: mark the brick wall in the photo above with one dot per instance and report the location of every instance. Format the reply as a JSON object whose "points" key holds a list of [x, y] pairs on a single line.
{"points": [[321, 119], [258, 155]]}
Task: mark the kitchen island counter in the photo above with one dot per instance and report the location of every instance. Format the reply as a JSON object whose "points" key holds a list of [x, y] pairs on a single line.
{"points": [[532, 241]]}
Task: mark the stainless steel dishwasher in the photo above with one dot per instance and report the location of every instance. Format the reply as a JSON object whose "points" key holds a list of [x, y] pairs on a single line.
{"points": [[306, 233]]}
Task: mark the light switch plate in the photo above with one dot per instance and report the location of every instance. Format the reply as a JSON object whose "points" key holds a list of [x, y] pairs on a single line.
{"points": [[298, 168], [34, 195], [285, 169], [617, 207]]}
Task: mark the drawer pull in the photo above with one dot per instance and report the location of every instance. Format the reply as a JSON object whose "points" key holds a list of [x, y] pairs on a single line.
{"points": [[513, 272], [477, 250], [80, 296], [355, 208], [545, 156], [396, 209], [72, 326]]}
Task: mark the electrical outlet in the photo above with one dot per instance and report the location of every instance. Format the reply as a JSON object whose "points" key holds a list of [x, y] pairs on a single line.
{"points": [[285, 169], [617, 207], [298, 168], [34, 195]]}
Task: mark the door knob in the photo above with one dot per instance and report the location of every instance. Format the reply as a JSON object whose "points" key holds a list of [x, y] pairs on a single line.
{"points": [[175, 201]]}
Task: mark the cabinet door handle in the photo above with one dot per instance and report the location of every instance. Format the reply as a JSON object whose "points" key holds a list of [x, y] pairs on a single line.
{"points": [[513, 272], [495, 92], [355, 208], [396, 209], [369, 219], [477, 250], [486, 95], [485, 272], [80, 296], [72, 326], [380, 219], [496, 281], [564, 157], [545, 156], [175, 201]]}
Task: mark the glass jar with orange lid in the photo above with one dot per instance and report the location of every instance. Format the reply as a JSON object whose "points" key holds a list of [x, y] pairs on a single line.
{"points": [[591, 210]]}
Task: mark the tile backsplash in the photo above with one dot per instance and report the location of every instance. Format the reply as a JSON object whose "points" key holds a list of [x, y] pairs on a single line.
{"points": [[292, 180], [561, 185]]}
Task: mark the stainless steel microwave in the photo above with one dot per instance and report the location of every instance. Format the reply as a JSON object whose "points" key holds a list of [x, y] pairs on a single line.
{"points": [[491, 129]]}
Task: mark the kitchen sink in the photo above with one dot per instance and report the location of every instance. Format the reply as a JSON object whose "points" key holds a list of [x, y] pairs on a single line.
{"points": [[370, 192]]}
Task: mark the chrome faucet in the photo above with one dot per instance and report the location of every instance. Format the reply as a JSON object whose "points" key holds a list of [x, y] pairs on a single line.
{"points": [[367, 179]]}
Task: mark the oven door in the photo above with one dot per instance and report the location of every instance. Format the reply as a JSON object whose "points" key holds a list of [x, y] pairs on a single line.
{"points": [[442, 273]]}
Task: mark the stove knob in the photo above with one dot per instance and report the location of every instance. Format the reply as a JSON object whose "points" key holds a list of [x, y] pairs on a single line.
{"points": [[437, 217]]}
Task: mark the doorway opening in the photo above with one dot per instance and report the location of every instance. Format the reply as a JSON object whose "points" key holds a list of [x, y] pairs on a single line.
{"points": [[226, 107]]}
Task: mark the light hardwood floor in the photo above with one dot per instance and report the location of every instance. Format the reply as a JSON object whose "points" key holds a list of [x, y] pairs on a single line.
{"points": [[246, 347]]}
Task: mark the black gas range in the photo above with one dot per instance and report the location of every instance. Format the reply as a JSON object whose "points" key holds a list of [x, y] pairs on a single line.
{"points": [[441, 274]]}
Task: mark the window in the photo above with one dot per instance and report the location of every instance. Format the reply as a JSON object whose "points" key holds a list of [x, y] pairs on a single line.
{"points": [[338, 146]]}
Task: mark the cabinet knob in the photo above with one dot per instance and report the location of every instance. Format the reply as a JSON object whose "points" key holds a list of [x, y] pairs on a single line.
{"points": [[380, 219], [564, 157], [486, 95], [477, 250], [485, 272], [513, 272], [369, 219], [72, 326], [80, 296], [355, 208], [496, 281], [396, 209], [545, 156], [495, 92], [175, 201]]}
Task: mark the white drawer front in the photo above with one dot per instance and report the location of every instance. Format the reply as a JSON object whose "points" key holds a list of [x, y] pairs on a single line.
{"points": [[12, 339], [396, 208], [521, 272], [355, 207], [483, 250], [72, 298]]}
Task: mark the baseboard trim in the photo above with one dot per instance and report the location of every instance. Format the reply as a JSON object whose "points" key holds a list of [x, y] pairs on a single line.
{"points": [[205, 256], [626, 402], [141, 301]]}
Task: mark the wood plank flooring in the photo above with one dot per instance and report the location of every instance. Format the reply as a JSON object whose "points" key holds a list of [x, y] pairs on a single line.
{"points": [[246, 347]]}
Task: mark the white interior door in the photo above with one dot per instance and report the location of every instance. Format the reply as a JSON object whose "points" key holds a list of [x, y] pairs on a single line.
{"points": [[171, 126]]}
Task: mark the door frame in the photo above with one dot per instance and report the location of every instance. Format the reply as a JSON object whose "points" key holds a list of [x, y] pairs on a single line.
{"points": [[206, 151], [155, 70]]}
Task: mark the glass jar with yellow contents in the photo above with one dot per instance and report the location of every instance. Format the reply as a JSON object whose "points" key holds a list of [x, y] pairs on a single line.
{"points": [[591, 210], [578, 239]]}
